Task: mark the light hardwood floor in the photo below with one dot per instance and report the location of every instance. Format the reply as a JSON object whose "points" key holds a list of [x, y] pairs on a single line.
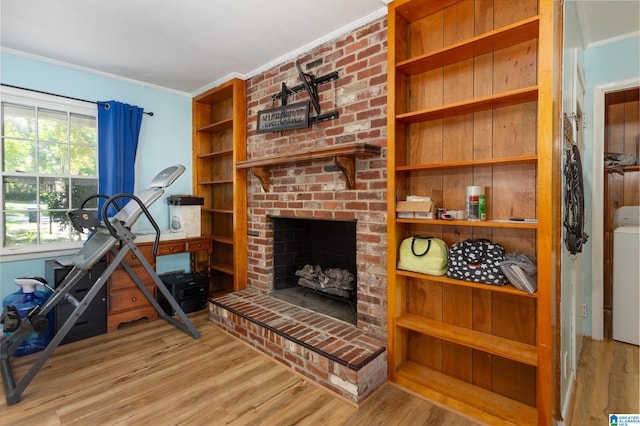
{"points": [[154, 374], [607, 382]]}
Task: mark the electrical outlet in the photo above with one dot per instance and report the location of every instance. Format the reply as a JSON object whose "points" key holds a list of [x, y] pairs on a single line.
{"points": [[583, 312]]}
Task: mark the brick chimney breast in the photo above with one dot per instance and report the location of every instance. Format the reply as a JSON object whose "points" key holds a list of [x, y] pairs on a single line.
{"points": [[317, 189]]}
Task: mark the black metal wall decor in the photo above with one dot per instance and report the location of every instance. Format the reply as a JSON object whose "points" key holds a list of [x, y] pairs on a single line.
{"points": [[295, 116]]}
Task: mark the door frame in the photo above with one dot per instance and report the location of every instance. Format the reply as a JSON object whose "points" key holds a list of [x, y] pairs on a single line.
{"points": [[597, 203]]}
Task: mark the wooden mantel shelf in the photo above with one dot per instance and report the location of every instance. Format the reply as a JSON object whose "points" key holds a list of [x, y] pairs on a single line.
{"points": [[344, 156]]}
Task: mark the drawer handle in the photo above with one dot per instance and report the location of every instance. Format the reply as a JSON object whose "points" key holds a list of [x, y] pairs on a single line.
{"points": [[134, 299]]}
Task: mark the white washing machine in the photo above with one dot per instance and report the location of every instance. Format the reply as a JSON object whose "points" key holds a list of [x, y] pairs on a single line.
{"points": [[626, 274]]}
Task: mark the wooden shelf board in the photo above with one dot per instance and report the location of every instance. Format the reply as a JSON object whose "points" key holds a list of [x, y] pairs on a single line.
{"points": [[508, 288], [498, 39], [478, 223], [227, 269], [216, 154], [343, 154], [479, 403], [623, 169], [348, 149], [217, 126], [224, 91], [223, 211], [500, 100], [412, 12], [219, 292], [470, 163], [223, 240], [215, 182], [506, 348]]}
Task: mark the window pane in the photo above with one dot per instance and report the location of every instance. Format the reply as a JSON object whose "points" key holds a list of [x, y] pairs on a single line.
{"points": [[54, 201], [21, 227], [19, 121], [54, 230], [54, 194], [20, 208], [81, 189], [84, 160], [52, 125], [52, 158], [19, 156], [83, 129], [19, 193]]}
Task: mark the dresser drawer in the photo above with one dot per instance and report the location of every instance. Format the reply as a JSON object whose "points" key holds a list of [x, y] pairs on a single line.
{"points": [[203, 244], [120, 279], [132, 259], [128, 299], [171, 248]]}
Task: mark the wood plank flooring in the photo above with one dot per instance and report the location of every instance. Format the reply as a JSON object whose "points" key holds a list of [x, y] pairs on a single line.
{"points": [[152, 373], [608, 382]]}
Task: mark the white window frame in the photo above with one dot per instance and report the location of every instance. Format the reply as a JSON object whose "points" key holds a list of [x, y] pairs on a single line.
{"points": [[45, 101]]}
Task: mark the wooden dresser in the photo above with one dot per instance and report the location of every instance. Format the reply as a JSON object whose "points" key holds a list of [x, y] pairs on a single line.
{"points": [[126, 302]]}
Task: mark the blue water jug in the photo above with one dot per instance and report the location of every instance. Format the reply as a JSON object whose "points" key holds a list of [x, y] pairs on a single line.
{"points": [[24, 300]]}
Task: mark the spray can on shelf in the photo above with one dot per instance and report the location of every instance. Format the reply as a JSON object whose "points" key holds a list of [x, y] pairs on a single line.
{"points": [[476, 203], [472, 209]]}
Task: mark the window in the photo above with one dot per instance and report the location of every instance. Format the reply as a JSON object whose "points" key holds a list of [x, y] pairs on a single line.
{"points": [[49, 166]]}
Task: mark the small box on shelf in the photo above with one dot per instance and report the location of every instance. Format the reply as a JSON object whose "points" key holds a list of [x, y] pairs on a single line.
{"points": [[414, 206], [415, 210]]}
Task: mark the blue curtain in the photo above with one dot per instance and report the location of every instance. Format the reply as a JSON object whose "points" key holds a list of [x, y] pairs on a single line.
{"points": [[118, 132]]}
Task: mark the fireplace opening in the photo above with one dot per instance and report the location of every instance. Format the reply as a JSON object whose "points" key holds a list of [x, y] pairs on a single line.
{"points": [[314, 265]]}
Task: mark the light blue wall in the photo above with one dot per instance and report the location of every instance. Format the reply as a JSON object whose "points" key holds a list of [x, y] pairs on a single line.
{"points": [[165, 138], [603, 64]]}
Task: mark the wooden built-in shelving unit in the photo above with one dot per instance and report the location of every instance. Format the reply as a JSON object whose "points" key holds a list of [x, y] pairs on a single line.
{"points": [[219, 142], [470, 102]]}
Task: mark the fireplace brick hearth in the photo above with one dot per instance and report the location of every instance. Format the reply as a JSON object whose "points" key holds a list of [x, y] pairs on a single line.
{"points": [[334, 354]]}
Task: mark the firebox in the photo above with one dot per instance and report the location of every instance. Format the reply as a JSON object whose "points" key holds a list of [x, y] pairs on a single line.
{"points": [[308, 250]]}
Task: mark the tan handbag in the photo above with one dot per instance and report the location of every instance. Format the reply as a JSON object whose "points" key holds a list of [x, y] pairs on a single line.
{"points": [[425, 255]]}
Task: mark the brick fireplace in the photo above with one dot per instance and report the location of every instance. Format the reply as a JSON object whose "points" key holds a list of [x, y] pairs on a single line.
{"points": [[318, 190]]}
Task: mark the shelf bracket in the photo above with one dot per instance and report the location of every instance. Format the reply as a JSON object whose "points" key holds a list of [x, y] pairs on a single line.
{"points": [[262, 173], [348, 167]]}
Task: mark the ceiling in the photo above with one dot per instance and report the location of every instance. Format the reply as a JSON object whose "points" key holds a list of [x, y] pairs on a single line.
{"points": [[183, 45], [603, 20], [191, 45]]}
